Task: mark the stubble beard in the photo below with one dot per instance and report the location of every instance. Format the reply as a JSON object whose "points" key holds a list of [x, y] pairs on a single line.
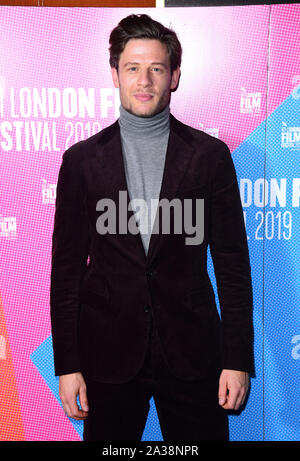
{"points": [[161, 105]]}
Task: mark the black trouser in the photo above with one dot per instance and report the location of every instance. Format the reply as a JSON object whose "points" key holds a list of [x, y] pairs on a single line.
{"points": [[187, 410]]}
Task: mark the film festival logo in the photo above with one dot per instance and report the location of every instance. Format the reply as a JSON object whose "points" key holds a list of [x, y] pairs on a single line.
{"points": [[212, 131], [296, 347], [290, 136], [250, 102], [48, 192], [184, 217], [296, 87], [8, 227]]}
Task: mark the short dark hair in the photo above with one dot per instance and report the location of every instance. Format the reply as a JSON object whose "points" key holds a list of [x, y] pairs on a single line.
{"points": [[142, 26]]}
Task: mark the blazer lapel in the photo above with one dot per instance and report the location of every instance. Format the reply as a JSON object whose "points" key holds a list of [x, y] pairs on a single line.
{"points": [[113, 173], [178, 156]]}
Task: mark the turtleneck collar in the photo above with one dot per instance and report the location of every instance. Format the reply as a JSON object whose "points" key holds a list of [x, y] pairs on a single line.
{"points": [[145, 126]]}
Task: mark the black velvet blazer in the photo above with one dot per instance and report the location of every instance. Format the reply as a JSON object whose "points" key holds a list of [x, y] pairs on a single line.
{"points": [[104, 288]]}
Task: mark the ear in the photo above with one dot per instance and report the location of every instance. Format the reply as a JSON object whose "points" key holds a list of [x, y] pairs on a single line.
{"points": [[115, 77], [175, 78]]}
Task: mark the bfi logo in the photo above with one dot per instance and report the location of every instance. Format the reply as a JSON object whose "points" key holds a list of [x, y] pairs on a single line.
{"points": [[212, 131], [290, 136], [250, 102], [48, 192], [8, 227], [296, 347]]}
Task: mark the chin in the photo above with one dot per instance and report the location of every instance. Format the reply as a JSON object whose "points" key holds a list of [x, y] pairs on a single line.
{"points": [[139, 112], [146, 113]]}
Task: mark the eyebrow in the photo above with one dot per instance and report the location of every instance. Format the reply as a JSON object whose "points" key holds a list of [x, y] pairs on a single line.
{"points": [[152, 63]]}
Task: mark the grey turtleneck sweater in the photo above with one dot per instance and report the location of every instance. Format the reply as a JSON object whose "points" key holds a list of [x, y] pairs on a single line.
{"points": [[144, 145]]}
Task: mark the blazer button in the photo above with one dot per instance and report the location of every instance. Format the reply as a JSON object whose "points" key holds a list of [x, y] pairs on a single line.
{"points": [[146, 308]]}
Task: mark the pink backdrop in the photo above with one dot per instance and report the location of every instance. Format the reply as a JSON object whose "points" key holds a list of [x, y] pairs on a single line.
{"points": [[55, 89]]}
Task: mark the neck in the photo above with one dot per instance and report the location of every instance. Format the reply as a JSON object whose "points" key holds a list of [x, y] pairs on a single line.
{"points": [[144, 126]]}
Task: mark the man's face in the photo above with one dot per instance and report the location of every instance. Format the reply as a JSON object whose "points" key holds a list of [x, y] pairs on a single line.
{"points": [[144, 77]]}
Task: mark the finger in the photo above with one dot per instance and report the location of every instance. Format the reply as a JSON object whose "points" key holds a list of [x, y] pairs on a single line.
{"points": [[232, 398], [80, 415], [237, 398], [73, 411], [242, 394], [242, 398], [238, 402], [76, 412]]}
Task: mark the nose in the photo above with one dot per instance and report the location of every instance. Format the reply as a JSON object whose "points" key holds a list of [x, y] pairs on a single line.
{"points": [[144, 78]]}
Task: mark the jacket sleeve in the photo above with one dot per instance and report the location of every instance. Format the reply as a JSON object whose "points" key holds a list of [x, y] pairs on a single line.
{"points": [[69, 259], [230, 256]]}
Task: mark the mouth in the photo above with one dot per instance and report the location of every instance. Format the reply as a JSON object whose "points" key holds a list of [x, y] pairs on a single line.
{"points": [[143, 96]]}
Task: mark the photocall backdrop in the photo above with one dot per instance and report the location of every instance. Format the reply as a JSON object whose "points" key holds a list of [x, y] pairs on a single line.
{"points": [[241, 83]]}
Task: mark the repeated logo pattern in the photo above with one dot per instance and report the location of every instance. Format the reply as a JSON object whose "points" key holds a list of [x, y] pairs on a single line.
{"points": [[240, 82]]}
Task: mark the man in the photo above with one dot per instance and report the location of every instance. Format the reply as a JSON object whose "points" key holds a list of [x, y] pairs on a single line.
{"points": [[139, 319]]}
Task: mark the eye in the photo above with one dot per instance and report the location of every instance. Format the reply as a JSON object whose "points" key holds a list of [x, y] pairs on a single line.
{"points": [[157, 69]]}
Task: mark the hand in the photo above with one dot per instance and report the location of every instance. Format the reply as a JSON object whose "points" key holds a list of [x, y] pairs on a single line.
{"points": [[70, 386], [233, 388]]}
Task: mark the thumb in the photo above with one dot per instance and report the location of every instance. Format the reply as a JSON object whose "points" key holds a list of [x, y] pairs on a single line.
{"points": [[83, 398], [222, 394]]}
